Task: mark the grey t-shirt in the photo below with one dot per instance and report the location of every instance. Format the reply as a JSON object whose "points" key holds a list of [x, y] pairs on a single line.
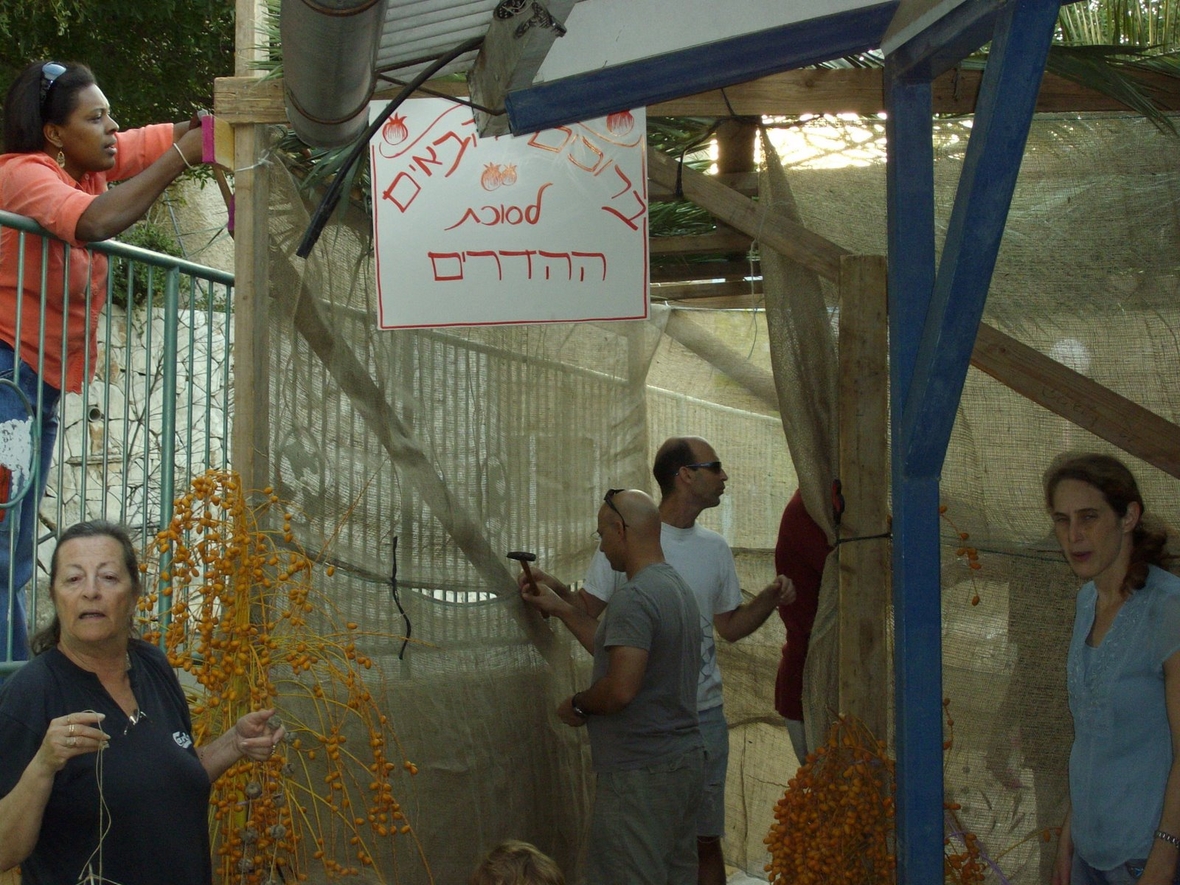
{"points": [[654, 611]]}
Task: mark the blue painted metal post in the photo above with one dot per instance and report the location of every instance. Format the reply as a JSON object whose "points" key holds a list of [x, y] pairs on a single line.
{"points": [[933, 320], [916, 583], [1003, 114]]}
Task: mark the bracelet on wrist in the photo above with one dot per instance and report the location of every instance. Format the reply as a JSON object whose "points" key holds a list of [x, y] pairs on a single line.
{"points": [[183, 158], [578, 708], [1167, 837]]}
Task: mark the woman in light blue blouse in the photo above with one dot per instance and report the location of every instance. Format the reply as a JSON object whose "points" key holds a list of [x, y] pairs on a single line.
{"points": [[1124, 681]]}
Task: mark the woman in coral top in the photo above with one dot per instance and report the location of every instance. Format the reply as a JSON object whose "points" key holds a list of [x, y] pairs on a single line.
{"points": [[61, 147]]}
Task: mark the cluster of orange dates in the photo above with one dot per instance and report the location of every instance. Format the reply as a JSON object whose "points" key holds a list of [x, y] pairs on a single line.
{"points": [[241, 602], [835, 824]]}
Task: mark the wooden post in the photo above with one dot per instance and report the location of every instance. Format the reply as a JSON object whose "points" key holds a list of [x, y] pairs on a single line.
{"points": [[250, 441], [864, 469], [735, 146]]}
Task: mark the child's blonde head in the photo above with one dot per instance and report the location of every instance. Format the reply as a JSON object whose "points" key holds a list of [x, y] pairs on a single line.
{"points": [[517, 863]]}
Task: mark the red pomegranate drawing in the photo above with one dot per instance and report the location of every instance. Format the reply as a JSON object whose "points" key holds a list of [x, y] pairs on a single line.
{"points": [[492, 177], [394, 131], [620, 123]]}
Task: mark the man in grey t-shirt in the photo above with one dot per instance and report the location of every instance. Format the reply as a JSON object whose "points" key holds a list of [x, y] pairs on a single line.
{"points": [[640, 710], [691, 480]]}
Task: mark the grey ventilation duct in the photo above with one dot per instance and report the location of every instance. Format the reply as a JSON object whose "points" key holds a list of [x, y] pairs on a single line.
{"points": [[329, 54]]}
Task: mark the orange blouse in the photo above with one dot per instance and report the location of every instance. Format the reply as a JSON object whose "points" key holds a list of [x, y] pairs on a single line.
{"points": [[31, 184]]}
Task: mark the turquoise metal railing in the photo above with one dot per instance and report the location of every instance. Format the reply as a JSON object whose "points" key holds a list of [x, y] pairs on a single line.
{"points": [[157, 412]]}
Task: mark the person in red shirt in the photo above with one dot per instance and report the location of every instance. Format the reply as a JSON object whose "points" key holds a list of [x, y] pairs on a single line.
{"points": [[800, 553], [62, 147]]}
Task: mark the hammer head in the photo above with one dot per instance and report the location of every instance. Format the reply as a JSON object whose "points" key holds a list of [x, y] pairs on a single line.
{"points": [[522, 556]]}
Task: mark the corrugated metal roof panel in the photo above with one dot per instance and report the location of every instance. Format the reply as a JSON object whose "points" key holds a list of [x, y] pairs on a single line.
{"points": [[418, 30]]}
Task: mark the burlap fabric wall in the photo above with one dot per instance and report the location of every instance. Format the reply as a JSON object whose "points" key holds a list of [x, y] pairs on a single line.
{"points": [[1087, 274], [468, 443]]}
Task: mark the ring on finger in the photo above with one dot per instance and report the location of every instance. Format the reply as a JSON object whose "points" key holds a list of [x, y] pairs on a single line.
{"points": [[72, 742], [71, 729]]}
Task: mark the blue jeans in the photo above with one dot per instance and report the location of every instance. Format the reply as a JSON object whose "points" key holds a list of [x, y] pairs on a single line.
{"points": [[1124, 874], [19, 434], [715, 734]]}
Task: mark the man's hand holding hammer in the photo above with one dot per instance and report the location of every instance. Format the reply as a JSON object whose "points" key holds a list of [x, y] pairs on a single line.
{"points": [[550, 596]]}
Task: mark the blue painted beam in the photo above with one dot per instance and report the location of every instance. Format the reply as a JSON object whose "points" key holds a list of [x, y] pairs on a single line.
{"points": [[933, 315], [909, 182], [917, 653], [917, 672], [1007, 98], [944, 43], [696, 69]]}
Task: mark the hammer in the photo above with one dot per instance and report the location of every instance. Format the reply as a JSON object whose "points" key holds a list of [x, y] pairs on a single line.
{"points": [[524, 559]]}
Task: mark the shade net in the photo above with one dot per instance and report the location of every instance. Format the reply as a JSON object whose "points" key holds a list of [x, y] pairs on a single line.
{"points": [[1087, 275], [464, 444]]}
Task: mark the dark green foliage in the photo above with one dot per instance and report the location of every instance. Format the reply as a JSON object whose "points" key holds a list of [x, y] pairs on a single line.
{"points": [[154, 59], [141, 279]]}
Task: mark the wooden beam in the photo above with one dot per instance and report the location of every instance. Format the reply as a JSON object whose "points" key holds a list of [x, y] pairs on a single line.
{"points": [[745, 183], [722, 302], [787, 94], [864, 464], [1116, 419], [258, 100], [715, 351], [508, 61], [926, 37], [861, 91], [735, 146], [691, 291], [726, 240], [250, 443], [767, 225], [684, 271]]}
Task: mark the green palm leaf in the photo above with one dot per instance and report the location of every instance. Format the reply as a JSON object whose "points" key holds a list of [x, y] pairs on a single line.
{"points": [[1115, 71]]}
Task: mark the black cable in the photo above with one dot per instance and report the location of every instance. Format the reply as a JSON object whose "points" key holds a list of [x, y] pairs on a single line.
{"points": [[393, 81], [398, 602], [324, 211]]}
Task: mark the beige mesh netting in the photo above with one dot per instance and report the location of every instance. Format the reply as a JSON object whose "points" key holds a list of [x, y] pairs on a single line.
{"points": [[465, 444], [1087, 274]]}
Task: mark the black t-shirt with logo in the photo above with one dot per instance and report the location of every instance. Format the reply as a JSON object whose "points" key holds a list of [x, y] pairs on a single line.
{"points": [[155, 792]]}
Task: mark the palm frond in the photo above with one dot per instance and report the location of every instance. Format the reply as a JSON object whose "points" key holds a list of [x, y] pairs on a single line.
{"points": [[1121, 22], [677, 219], [1114, 70], [315, 168], [871, 59]]}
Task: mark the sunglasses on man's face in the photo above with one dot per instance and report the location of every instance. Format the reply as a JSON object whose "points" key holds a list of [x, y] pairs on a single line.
{"points": [[715, 466], [50, 71], [609, 501]]}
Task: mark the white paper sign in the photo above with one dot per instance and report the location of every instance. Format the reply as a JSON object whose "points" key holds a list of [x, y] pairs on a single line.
{"points": [[549, 227]]}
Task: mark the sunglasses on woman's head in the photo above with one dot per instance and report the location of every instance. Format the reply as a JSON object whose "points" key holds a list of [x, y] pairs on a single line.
{"points": [[50, 71]]}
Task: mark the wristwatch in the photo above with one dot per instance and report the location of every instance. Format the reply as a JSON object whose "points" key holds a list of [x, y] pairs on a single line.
{"points": [[578, 707]]}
